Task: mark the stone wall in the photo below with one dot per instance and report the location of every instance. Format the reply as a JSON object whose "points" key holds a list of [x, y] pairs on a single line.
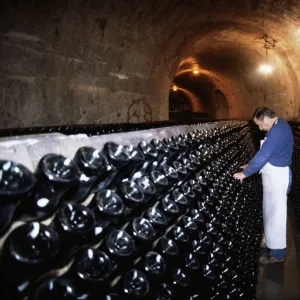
{"points": [[72, 64], [95, 61]]}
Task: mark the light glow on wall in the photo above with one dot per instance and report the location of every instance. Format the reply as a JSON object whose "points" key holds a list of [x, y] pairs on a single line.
{"points": [[266, 69]]}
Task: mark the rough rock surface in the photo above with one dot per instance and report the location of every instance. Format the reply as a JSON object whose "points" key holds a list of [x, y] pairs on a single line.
{"points": [[95, 61]]}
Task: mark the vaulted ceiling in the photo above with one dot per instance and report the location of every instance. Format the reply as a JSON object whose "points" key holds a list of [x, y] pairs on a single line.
{"points": [[98, 56]]}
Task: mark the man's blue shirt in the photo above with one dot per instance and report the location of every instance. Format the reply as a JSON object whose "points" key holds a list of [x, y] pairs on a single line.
{"points": [[276, 150]]}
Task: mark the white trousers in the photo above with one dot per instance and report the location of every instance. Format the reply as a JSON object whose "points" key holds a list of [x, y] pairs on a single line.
{"points": [[275, 184]]}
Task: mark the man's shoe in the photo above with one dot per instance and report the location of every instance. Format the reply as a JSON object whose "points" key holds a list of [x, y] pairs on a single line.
{"points": [[268, 260]]}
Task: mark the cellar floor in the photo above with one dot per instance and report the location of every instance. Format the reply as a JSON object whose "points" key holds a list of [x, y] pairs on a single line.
{"points": [[282, 282]]}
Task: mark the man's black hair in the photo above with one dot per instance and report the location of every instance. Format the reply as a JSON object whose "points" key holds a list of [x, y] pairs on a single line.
{"points": [[262, 112]]}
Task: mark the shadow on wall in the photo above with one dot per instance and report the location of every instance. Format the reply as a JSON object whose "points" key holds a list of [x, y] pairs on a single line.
{"points": [[220, 107], [178, 102]]}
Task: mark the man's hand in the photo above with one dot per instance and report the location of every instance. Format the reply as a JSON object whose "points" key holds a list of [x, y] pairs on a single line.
{"points": [[239, 176], [244, 167]]}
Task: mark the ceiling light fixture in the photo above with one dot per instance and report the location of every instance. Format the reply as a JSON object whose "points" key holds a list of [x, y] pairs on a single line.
{"points": [[175, 88], [267, 69]]}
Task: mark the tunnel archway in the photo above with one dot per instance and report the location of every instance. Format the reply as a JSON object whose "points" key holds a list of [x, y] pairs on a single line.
{"points": [[178, 101], [220, 106], [232, 54]]}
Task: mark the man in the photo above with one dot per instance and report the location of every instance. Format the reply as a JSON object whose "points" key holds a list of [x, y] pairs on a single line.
{"points": [[273, 160]]}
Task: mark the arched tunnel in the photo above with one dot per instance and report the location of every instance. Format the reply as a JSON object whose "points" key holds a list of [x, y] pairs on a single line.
{"points": [[94, 61]]}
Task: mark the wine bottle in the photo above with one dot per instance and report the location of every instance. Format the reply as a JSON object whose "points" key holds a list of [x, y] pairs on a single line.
{"points": [[96, 172], [58, 178], [29, 251], [16, 185]]}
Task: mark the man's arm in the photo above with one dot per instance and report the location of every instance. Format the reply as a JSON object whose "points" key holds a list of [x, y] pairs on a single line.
{"points": [[264, 154]]}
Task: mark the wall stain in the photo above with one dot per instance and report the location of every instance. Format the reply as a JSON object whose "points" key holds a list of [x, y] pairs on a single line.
{"points": [[139, 111], [102, 23]]}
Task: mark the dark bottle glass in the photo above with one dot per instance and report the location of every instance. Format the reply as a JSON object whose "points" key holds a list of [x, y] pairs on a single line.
{"points": [[150, 154], [167, 248], [154, 264], [194, 297], [195, 139], [160, 181], [180, 236], [203, 209], [187, 140], [212, 260], [207, 174], [197, 217], [196, 187], [209, 272], [30, 250], [195, 161], [136, 160], [120, 245], [59, 289], [181, 170], [143, 231], [209, 276], [211, 230], [188, 224], [132, 196], [94, 266], [174, 149], [163, 152], [172, 144], [116, 154], [157, 218], [188, 193], [209, 201], [135, 284], [148, 188], [191, 262], [189, 165], [214, 219], [96, 172], [58, 178], [203, 183], [192, 265], [203, 244], [107, 206], [170, 173], [16, 184], [180, 200], [87, 277], [165, 292], [76, 226], [213, 193], [181, 144], [169, 207], [180, 280], [93, 270]]}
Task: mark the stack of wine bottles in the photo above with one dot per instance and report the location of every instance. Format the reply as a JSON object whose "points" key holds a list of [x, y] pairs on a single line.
{"points": [[94, 129], [295, 192], [160, 220]]}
